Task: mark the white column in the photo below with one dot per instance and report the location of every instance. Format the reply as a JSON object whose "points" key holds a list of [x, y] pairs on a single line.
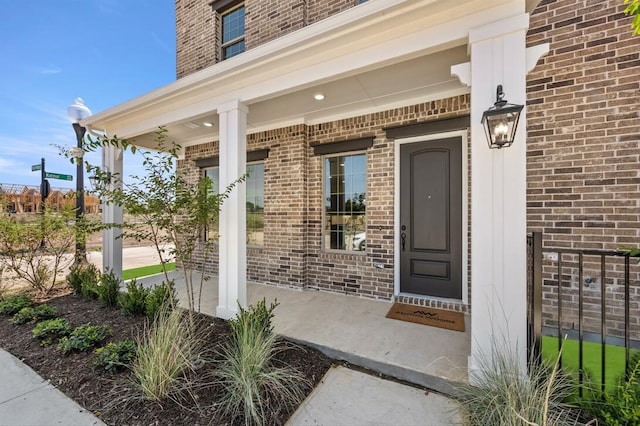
{"points": [[112, 161], [232, 245], [498, 198]]}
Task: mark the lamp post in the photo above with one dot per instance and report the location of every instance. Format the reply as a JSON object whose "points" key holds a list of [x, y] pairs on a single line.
{"points": [[77, 112]]}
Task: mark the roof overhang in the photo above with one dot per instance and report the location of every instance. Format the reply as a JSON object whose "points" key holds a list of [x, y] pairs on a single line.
{"points": [[376, 56]]}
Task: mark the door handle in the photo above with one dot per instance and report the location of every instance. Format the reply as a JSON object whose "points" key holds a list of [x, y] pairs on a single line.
{"points": [[403, 239]]}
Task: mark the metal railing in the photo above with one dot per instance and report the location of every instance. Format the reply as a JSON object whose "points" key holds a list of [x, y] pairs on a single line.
{"points": [[562, 291]]}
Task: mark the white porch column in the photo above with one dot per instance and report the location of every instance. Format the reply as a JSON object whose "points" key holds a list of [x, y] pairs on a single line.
{"points": [[232, 245], [112, 159], [498, 197]]}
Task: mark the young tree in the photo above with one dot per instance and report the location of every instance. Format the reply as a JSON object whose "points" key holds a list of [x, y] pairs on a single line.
{"points": [[22, 252], [171, 211]]}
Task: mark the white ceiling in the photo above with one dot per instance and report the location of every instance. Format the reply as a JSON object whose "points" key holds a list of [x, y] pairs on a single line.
{"points": [[413, 81]]}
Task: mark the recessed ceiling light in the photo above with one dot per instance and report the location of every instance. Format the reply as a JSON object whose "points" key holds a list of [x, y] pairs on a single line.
{"points": [[207, 124], [318, 96]]}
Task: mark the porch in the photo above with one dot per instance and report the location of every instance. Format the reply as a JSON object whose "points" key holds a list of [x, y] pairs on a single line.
{"points": [[355, 329]]}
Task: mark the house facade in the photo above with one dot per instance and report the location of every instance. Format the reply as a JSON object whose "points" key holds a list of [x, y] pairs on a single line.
{"points": [[359, 123]]}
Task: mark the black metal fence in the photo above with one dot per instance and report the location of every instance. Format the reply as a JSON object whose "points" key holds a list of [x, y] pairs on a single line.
{"points": [[584, 295]]}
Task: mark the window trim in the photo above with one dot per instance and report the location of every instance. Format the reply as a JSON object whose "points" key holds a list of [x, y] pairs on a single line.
{"points": [[221, 6], [323, 247], [258, 157], [349, 145], [227, 8]]}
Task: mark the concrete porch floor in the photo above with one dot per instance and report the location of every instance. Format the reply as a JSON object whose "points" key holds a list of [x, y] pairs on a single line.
{"points": [[356, 330]]}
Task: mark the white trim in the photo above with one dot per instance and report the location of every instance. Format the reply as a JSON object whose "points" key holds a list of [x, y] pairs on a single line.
{"points": [[323, 157], [495, 29], [534, 53], [464, 135]]}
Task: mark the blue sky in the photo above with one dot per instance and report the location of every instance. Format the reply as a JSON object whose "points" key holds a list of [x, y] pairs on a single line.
{"points": [[104, 51]]}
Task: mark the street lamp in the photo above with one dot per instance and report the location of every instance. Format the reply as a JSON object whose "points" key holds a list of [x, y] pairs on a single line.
{"points": [[77, 112]]}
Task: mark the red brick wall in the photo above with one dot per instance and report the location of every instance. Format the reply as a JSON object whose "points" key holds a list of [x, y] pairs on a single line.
{"points": [[583, 132]]}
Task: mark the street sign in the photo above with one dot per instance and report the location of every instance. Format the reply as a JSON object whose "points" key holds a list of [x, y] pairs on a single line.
{"points": [[36, 167], [60, 176]]}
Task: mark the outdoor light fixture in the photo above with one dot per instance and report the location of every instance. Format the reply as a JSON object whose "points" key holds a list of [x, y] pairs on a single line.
{"points": [[77, 112], [501, 121], [318, 96]]}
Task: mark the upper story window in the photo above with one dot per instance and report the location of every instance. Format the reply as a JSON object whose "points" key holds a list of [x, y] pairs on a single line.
{"points": [[345, 202], [233, 31]]}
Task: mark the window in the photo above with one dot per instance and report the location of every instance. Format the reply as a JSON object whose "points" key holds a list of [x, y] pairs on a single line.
{"points": [[345, 202], [233, 32], [255, 202]]}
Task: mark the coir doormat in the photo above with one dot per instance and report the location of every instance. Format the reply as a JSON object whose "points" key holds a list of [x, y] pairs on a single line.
{"points": [[427, 316]]}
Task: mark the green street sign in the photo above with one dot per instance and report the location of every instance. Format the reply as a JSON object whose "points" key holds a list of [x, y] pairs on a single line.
{"points": [[60, 176], [36, 167]]}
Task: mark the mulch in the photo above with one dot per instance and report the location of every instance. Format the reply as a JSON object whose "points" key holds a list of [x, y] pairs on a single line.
{"points": [[112, 397]]}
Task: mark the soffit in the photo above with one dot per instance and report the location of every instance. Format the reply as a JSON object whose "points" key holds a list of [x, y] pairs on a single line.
{"points": [[373, 56]]}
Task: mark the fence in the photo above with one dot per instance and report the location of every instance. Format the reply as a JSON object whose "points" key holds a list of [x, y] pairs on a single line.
{"points": [[585, 296]]}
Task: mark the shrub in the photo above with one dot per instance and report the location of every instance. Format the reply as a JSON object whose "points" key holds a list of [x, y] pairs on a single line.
{"points": [[108, 289], [47, 330], [168, 352], [135, 299], [159, 297], [14, 304], [116, 356], [258, 317], [79, 275], [506, 396], [252, 386], [84, 337], [37, 314], [622, 406]]}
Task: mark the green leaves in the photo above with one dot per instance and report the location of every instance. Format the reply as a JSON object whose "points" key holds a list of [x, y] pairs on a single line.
{"points": [[633, 8]]}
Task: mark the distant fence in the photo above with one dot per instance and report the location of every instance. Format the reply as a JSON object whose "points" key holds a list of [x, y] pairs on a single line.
{"points": [[586, 295]]}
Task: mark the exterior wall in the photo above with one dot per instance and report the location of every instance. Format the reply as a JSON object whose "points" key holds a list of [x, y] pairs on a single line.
{"points": [[198, 26], [292, 254], [583, 134], [583, 159], [197, 36], [269, 19]]}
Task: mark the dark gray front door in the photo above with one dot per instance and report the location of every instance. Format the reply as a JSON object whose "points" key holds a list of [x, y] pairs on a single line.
{"points": [[431, 218]]}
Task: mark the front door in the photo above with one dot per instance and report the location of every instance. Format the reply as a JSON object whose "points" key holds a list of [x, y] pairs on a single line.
{"points": [[430, 231]]}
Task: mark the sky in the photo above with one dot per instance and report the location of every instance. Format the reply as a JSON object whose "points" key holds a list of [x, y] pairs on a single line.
{"points": [[53, 51]]}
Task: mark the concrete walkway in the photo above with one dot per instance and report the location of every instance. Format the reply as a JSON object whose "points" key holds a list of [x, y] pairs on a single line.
{"points": [[349, 397], [27, 399]]}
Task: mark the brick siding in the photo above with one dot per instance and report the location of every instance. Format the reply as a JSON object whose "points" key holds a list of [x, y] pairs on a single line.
{"points": [[583, 126], [583, 155], [292, 254], [198, 28]]}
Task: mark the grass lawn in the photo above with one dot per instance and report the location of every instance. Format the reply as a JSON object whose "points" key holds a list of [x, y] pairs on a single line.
{"points": [[145, 270], [614, 363]]}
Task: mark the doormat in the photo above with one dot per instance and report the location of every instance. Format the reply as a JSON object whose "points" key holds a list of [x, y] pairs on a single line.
{"points": [[427, 316]]}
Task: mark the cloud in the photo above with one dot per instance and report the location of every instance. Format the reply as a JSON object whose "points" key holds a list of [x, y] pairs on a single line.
{"points": [[50, 71]]}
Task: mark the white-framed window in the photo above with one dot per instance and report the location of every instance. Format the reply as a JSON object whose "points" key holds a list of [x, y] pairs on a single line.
{"points": [[233, 31], [345, 194], [255, 202]]}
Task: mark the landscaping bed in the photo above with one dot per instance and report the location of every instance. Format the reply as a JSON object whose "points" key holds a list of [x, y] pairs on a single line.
{"points": [[112, 396]]}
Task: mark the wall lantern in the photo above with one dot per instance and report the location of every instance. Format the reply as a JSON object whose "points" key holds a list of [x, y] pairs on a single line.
{"points": [[501, 121]]}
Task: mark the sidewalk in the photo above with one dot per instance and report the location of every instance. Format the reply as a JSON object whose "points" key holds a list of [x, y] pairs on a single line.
{"points": [[27, 399]]}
